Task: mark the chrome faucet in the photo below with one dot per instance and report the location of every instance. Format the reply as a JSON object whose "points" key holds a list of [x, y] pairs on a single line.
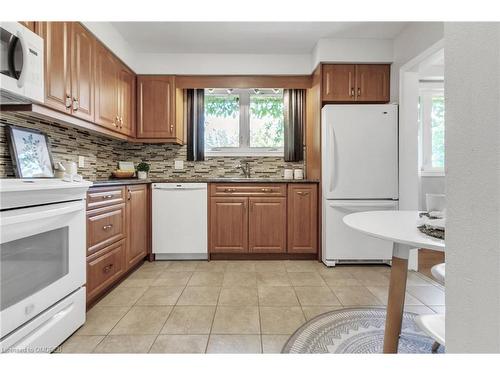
{"points": [[245, 168]]}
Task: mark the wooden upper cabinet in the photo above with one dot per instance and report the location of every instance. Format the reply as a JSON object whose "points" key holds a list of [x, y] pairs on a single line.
{"points": [[373, 83], [267, 225], [156, 107], [228, 225], [126, 79], [106, 88], [56, 37], [345, 83], [29, 24], [302, 218], [82, 72], [137, 218], [339, 82]]}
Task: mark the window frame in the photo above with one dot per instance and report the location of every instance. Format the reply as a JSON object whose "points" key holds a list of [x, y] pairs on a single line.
{"points": [[244, 133], [426, 93]]}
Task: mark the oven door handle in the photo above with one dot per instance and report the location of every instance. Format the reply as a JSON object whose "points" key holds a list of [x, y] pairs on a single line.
{"points": [[48, 212]]}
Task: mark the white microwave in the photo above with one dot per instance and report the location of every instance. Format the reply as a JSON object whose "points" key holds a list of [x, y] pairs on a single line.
{"points": [[21, 65]]}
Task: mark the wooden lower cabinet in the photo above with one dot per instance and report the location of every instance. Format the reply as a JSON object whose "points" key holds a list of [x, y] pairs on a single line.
{"points": [[117, 234], [302, 218], [105, 226], [260, 220], [267, 225], [104, 268], [137, 215], [229, 224]]}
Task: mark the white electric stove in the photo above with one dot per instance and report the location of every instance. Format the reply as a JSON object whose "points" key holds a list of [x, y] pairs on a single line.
{"points": [[42, 263]]}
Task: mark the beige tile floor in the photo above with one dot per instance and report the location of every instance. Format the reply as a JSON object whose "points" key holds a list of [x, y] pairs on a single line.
{"points": [[232, 306]]}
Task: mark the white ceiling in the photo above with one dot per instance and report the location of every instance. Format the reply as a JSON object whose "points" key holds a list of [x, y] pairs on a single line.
{"points": [[245, 37]]}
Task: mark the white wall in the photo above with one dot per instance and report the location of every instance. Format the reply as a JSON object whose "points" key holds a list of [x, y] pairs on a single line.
{"points": [[148, 63], [333, 50], [107, 34], [352, 50], [472, 94], [412, 41]]}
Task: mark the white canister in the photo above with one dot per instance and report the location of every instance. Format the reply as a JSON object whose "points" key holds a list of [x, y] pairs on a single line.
{"points": [[288, 174], [298, 174], [142, 175], [435, 202]]}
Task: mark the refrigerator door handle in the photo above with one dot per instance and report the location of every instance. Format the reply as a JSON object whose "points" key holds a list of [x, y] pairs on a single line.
{"points": [[331, 138], [364, 204]]}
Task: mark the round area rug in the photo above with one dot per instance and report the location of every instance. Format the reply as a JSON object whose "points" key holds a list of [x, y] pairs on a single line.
{"points": [[356, 330]]}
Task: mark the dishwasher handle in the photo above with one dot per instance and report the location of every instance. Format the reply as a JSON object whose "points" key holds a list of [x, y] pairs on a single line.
{"points": [[179, 187]]}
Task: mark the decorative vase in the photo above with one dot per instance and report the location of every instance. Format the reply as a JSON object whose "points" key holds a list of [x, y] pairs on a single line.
{"points": [[142, 175]]}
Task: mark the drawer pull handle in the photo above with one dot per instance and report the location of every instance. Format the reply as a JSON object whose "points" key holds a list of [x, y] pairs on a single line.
{"points": [[106, 227], [266, 190], [303, 193], [229, 190], [108, 268], [109, 196]]}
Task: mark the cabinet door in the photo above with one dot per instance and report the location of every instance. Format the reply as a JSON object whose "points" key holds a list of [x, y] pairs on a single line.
{"points": [[104, 268], [56, 37], [106, 88], [302, 218], [338, 82], [127, 101], [373, 83], [137, 219], [267, 225], [156, 107], [228, 225], [29, 24], [82, 72]]}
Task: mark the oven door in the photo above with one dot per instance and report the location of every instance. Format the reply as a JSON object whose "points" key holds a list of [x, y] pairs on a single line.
{"points": [[21, 64], [42, 259]]}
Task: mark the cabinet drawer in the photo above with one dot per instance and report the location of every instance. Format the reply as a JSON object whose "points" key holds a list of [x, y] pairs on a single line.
{"points": [[105, 226], [105, 267], [105, 196], [246, 189]]}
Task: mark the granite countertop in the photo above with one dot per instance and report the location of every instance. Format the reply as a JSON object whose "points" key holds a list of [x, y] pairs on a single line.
{"points": [[135, 181]]}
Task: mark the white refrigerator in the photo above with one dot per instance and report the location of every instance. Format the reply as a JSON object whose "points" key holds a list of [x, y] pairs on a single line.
{"points": [[359, 173]]}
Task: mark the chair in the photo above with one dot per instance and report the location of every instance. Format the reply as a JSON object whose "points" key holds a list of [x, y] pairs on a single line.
{"points": [[434, 324], [438, 271]]}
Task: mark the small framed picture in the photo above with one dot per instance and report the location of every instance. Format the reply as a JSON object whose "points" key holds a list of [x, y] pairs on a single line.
{"points": [[30, 153]]}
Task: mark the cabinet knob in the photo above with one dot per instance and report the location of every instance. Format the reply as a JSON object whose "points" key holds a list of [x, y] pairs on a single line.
{"points": [[171, 128], [266, 190], [229, 190], [352, 91], [76, 105], [359, 91], [108, 268], [109, 196], [303, 193], [108, 226]]}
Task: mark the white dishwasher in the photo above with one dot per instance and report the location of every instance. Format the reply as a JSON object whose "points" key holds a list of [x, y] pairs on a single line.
{"points": [[180, 221]]}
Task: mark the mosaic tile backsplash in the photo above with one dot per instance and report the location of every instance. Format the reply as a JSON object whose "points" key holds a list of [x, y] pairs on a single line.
{"points": [[102, 154]]}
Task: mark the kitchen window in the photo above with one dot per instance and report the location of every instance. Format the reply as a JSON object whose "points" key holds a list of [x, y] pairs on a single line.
{"points": [[244, 122], [432, 126]]}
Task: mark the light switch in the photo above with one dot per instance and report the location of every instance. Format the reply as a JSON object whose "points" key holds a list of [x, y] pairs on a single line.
{"points": [[179, 164], [81, 161]]}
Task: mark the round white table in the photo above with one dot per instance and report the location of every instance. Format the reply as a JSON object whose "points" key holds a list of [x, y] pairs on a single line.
{"points": [[400, 227]]}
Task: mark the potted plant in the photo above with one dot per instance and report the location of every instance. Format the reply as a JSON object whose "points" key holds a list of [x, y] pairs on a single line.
{"points": [[142, 170]]}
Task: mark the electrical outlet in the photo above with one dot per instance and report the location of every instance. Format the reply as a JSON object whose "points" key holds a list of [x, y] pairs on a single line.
{"points": [[179, 164], [81, 161]]}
